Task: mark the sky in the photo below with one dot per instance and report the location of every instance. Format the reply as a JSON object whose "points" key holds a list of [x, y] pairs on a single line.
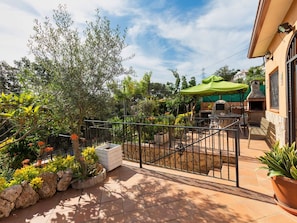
{"points": [[193, 37]]}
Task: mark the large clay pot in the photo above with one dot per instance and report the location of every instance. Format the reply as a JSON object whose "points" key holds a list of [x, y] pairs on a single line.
{"points": [[285, 190]]}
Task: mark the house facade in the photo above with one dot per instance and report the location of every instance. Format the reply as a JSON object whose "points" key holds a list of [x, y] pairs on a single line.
{"points": [[240, 75], [274, 38]]}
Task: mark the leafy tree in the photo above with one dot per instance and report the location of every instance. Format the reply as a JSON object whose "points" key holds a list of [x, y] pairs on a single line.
{"points": [[192, 82], [145, 84], [255, 73], [8, 78], [170, 86], [225, 73], [81, 64], [184, 83], [129, 87], [32, 76], [159, 90], [178, 103], [124, 93], [23, 76], [22, 116], [130, 93], [147, 107], [177, 81]]}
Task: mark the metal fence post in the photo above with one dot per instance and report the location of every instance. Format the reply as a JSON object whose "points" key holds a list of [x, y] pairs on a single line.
{"points": [[139, 145], [236, 156]]}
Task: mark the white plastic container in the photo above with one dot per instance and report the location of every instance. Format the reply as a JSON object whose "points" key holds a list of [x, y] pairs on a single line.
{"points": [[110, 155]]}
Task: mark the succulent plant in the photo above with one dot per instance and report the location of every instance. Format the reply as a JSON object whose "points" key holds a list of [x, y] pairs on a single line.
{"points": [[281, 161]]}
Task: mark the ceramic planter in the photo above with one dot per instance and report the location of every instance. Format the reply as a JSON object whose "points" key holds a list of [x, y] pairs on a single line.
{"points": [[285, 193], [161, 138], [110, 155]]}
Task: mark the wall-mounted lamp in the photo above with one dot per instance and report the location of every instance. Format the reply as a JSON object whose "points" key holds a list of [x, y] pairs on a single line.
{"points": [[268, 55], [285, 28]]}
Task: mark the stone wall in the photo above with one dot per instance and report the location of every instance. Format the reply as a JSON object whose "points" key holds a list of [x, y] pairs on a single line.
{"points": [[23, 195], [280, 126], [199, 160]]}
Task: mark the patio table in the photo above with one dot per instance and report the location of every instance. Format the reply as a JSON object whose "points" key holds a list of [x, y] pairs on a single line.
{"points": [[223, 120]]}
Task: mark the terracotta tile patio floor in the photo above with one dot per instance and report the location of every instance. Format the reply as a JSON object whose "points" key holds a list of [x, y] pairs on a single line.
{"points": [[151, 194]]}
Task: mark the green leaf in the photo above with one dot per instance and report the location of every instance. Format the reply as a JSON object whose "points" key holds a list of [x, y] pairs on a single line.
{"points": [[273, 173], [7, 115], [36, 109], [293, 172], [281, 161]]}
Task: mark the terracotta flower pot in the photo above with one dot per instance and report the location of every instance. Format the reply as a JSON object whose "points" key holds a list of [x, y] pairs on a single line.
{"points": [[285, 190]]}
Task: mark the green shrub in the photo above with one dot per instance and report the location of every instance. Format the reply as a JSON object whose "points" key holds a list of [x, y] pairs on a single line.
{"points": [[31, 173], [27, 173], [36, 183], [91, 160], [3, 183], [5, 170], [121, 131], [61, 163], [90, 155], [20, 151]]}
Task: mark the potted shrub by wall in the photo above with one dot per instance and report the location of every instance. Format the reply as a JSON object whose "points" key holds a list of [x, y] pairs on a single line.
{"points": [[161, 138], [281, 163]]}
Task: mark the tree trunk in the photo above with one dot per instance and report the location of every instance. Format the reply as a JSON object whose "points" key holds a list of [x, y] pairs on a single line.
{"points": [[78, 156]]}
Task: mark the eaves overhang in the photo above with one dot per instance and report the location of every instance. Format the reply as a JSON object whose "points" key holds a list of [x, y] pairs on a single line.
{"points": [[270, 14]]}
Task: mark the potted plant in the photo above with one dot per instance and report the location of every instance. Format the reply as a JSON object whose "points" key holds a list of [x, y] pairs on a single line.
{"points": [[161, 138], [281, 163], [95, 173]]}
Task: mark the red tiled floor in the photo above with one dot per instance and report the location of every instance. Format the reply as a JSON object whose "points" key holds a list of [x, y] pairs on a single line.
{"points": [[130, 194]]}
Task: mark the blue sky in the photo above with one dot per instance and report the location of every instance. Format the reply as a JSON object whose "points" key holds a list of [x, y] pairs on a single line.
{"points": [[194, 37]]}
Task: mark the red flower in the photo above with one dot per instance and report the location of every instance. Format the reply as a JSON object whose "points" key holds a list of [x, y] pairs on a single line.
{"points": [[74, 137], [49, 149], [40, 143]]}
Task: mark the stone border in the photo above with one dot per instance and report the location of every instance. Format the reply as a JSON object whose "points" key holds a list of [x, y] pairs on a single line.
{"points": [[23, 195], [90, 182]]}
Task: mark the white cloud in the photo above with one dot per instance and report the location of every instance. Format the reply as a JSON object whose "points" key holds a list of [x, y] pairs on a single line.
{"points": [[14, 27], [217, 37], [210, 37]]}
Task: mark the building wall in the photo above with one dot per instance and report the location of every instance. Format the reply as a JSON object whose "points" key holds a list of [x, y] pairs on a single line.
{"points": [[280, 126], [279, 47]]}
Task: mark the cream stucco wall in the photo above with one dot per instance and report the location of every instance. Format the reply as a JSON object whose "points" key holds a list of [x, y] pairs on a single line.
{"points": [[279, 48]]}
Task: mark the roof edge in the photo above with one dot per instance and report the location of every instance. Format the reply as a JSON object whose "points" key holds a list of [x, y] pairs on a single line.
{"points": [[259, 20]]}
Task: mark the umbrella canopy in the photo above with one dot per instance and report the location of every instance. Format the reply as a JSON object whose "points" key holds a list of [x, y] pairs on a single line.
{"points": [[215, 85]]}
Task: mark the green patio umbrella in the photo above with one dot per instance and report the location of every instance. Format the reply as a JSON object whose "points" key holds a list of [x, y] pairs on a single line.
{"points": [[215, 85]]}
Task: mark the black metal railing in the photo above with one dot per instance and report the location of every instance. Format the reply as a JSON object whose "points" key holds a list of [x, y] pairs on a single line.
{"points": [[199, 148]]}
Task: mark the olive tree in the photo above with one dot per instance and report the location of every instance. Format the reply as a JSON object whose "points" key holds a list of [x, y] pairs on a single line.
{"points": [[82, 64]]}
